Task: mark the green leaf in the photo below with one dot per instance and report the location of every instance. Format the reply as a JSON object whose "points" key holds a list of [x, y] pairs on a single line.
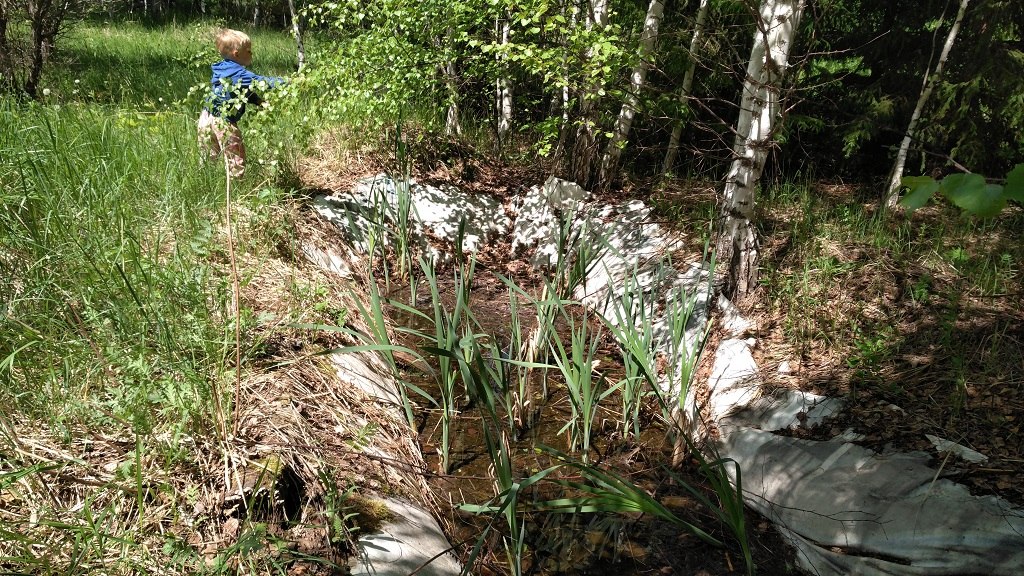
{"points": [[921, 190], [1014, 189], [971, 193]]}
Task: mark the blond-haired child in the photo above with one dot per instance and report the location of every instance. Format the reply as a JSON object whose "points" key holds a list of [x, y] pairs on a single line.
{"points": [[232, 88]]}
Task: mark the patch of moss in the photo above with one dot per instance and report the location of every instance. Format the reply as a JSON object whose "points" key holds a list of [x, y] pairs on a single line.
{"points": [[370, 514]]}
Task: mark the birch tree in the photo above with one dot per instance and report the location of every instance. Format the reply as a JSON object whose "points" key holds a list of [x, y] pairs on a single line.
{"points": [[620, 133], [452, 123], [585, 150], [686, 88], [760, 112], [893, 191], [503, 93], [296, 31], [563, 93]]}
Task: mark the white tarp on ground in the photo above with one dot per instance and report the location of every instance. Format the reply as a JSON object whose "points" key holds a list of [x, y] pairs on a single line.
{"points": [[849, 510], [411, 543], [846, 509], [371, 213]]}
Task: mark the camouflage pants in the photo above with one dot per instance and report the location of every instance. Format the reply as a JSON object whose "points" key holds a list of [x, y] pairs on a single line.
{"points": [[216, 137]]}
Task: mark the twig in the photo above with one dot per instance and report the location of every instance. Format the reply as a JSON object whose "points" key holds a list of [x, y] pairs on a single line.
{"points": [[235, 297]]}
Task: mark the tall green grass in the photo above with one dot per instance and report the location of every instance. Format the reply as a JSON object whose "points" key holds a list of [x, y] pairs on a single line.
{"points": [[128, 64], [107, 243], [114, 310]]}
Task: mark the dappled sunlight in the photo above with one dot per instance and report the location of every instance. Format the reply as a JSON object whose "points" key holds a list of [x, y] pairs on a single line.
{"points": [[852, 508]]}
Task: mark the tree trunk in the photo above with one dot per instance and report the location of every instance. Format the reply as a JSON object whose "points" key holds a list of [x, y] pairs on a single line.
{"points": [[687, 87], [620, 134], [503, 96], [7, 82], [563, 127], [452, 125], [447, 70], [38, 13], [892, 194], [297, 31], [584, 155], [760, 111]]}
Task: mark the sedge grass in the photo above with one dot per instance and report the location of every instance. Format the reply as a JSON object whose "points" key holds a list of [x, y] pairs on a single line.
{"points": [[479, 372], [519, 397], [448, 327], [585, 388], [632, 327]]}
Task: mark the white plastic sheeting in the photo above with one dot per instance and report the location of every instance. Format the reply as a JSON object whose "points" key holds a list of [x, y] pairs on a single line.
{"points": [[846, 509]]}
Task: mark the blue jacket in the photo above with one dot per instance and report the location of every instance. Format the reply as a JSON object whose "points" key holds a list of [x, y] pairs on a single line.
{"points": [[233, 82]]}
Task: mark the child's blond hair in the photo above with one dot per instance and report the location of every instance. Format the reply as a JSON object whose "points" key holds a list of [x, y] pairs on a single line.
{"points": [[230, 41]]}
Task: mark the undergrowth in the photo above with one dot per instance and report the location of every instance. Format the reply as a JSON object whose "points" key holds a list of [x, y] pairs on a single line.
{"points": [[920, 311]]}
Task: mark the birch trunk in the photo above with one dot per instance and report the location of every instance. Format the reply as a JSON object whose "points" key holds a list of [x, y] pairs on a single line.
{"points": [[686, 89], [563, 127], [620, 133], [452, 125], [760, 108], [503, 96], [585, 149], [297, 31], [892, 194], [447, 70]]}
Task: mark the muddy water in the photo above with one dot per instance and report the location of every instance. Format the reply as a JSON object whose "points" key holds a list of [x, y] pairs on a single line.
{"points": [[556, 543]]}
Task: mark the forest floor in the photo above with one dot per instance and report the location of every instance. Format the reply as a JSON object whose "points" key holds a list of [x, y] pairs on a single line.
{"points": [[921, 336]]}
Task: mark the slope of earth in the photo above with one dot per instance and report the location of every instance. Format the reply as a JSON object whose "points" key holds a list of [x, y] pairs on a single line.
{"points": [[915, 320]]}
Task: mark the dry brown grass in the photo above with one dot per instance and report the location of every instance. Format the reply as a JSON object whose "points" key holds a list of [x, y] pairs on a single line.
{"points": [[908, 337]]}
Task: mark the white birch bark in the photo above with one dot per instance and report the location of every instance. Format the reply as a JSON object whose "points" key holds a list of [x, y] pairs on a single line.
{"points": [[504, 86], [892, 194], [620, 133], [452, 124], [760, 111], [686, 88], [452, 119], [297, 32], [564, 125], [585, 149]]}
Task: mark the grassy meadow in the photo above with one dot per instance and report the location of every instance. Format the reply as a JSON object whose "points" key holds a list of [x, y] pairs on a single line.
{"points": [[116, 322], [109, 231]]}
